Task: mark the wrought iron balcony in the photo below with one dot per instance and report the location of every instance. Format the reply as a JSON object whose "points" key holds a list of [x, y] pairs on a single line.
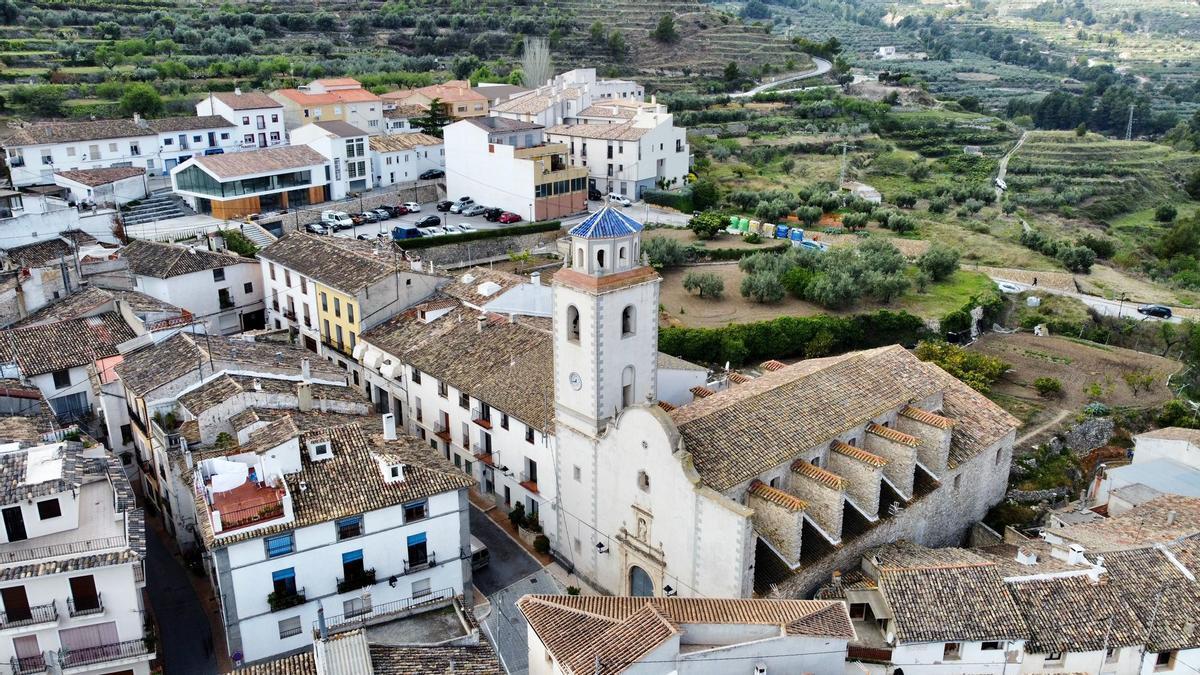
{"points": [[47, 613], [356, 581], [279, 601], [86, 656], [28, 664], [88, 607]]}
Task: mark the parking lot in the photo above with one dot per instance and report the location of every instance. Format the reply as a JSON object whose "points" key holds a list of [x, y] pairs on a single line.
{"points": [[477, 222]]}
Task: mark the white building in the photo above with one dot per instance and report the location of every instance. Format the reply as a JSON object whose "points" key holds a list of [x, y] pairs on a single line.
{"points": [[256, 181], [1165, 461], [627, 147], [403, 156], [398, 119], [565, 95], [509, 165], [573, 634], [111, 186], [73, 566], [359, 524], [258, 117], [222, 290], [344, 147]]}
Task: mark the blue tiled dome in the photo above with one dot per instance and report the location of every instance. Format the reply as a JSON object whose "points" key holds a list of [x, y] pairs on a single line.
{"points": [[606, 223]]}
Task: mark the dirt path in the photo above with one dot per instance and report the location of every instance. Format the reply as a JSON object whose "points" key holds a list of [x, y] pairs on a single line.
{"points": [[1004, 164], [1041, 428]]}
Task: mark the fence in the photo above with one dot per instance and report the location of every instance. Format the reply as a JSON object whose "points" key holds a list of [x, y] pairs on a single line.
{"points": [[59, 550], [344, 622]]}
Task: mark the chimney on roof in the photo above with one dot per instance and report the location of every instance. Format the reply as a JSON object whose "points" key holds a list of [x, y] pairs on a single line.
{"points": [[1171, 518], [481, 322], [536, 278], [305, 370], [836, 580], [321, 627], [1075, 555], [389, 427], [257, 384], [304, 399], [137, 119], [1026, 557]]}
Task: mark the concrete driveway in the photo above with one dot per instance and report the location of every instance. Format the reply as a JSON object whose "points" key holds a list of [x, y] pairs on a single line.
{"points": [[185, 644]]}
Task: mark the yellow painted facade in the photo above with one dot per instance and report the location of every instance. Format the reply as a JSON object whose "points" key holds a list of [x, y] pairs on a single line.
{"points": [[338, 319]]}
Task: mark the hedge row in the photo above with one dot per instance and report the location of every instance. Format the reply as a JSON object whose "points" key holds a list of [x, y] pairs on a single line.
{"points": [[791, 336], [430, 242], [737, 253], [680, 200]]}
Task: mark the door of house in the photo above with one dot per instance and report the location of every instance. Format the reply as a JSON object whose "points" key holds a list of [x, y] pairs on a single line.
{"points": [[83, 593], [29, 654], [640, 584], [14, 524], [16, 604], [89, 637]]}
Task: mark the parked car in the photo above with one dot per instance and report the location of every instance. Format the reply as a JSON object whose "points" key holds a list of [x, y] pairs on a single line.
{"points": [[480, 556], [434, 231], [429, 221], [473, 209], [383, 213], [316, 228], [431, 174], [594, 194], [412, 207], [466, 227], [615, 198], [1156, 311], [459, 207], [509, 217], [465, 199], [406, 232], [444, 205], [452, 229], [397, 210], [337, 220], [493, 214], [1008, 287], [368, 217]]}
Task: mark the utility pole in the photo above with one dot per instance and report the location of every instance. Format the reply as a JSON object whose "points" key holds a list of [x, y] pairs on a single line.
{"points": [[842, 172], [1129, 125]]}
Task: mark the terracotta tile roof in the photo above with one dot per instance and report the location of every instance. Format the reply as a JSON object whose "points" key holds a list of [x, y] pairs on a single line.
{"points": [[39, 133], [40, 252], [946, 595], [101, 176], [296, 664], [406, 110], [1159, 520], [32, 418], [773, 365], [738, 378], [777, 497], [313, 98], [500, 91], [857, 453], [742, 431], [338, 82], [666, 406], [625, 131], [194, 123], [263, 160], [452, 91], [341, 265], [615, 109], [210, 394], [351, 482], [893, 435], [1159, 592], [246, 100], [64, 344], [926, 417], [164, 261], [620, 630], [820, 475], [535, 101], [477, 659], [402, 142], [1070, 614], [469, 286], [701, 392]]}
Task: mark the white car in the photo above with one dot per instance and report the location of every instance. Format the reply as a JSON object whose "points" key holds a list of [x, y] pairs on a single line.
{"points": [[338, 220], [466, 227], [460, 206], [434, 232], [452, 229], [619, 199], [1006, 287], [412, 207]]}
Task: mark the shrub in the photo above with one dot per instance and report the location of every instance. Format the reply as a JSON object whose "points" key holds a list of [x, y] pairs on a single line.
{"points": [[1101, 246], [753, 238], [708, 284], [1048, 387], [939, 262], [238, 243], [707, 224], [796, 281], [1165, 213], [666, 253], [1076, 258], [762, 287], [855, 221], [977, 370], [541, 544], [572, 590], [904, 201], [517, 516]]}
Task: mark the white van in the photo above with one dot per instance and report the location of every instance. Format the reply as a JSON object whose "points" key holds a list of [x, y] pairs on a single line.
{"points": [[619, 199], [337, 220], [479, 554]]}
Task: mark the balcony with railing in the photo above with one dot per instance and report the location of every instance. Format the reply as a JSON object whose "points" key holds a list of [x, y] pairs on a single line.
{"points": [[529, 481], [283, 600], [356, 581], [417, 565], [482, 416], [290, 313], [258, 500], [169, 441], [129, 650], [394, 609], [441, 431], [26, 665], [31, 616], [85, 606]]}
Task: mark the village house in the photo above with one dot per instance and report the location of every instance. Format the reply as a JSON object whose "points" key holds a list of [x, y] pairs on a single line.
{"points": [[44, 271], [256, 181], [73, 569], [328, 290], [404, 156], [573, 634], [363, 524], [456, 97], [221, 290], [332, 99], [344, 147], [1165, 461], [399, 119], [509, 164], [257, 116], [564, 95], [113, 186]]}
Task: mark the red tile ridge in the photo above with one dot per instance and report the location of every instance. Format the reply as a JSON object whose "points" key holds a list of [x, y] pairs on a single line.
{"points": [[858, 453], [773, 365], [893, 435], [776, 496], [818, 474], [926, 417], [701, 392]]}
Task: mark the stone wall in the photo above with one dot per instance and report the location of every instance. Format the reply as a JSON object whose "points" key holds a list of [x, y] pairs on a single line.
{"points": [[902, 461], [825, 503], [934, 450], [779, 525], [486, 250], [1089, 435], [862, 480]]}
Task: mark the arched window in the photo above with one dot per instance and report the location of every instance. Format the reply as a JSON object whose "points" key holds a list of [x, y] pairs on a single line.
{"points": [[621, 254], [572, 323], [627, 387], [579, 258], [640, 583], [600, 259], [628, 321]]}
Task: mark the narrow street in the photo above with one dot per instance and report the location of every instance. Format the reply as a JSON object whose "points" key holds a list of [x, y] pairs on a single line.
{"points": [[185, 638]]}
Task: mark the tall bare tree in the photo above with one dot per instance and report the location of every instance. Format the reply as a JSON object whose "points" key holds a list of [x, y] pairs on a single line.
{"points": [[535, 63]]}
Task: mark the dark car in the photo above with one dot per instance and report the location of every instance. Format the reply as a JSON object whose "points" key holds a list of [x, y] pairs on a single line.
{"points": [[432, 173], [429, 221], [369, 217], [397, 210], [444, 205], [1157, 311], [594, 194], [493, 214], [509, 217], [316, 228]]}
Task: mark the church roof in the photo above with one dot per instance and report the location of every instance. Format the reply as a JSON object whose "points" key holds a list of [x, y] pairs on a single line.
{"points": [[606, 223]]}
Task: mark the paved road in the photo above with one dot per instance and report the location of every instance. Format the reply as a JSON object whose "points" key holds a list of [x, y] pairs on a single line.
{"points": [[183, 625], [506, 626], [1126, 309], [1004, 165], [509, 562], [820, 67]]}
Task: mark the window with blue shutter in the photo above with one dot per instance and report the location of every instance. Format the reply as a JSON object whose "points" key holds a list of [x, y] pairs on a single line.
{"points": [[417, 552], [351, 556], [284, 581], [280, 544]]}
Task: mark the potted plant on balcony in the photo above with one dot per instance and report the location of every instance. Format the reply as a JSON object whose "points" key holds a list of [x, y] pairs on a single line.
{"points": [[278, 600], [530, 530]]}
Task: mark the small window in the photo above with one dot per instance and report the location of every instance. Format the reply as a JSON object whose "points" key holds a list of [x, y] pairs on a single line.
{"points": [[348, 528], [528, 434], [49, 508], [600, 259], [991, 646], [248, 287], [289, 627], [999, 455], [578, 475], [443, 390], [62, 378], [572, 323], [219, 274], [416, 376], [952, 651], [416, 510], [643, 481], [858, 611], [421, 588], [1165, 660], [280, 544], [126, 434], [464, 401], [628, 321], [395, 472], [957, 481], [1054, 657], [503, 420]]}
